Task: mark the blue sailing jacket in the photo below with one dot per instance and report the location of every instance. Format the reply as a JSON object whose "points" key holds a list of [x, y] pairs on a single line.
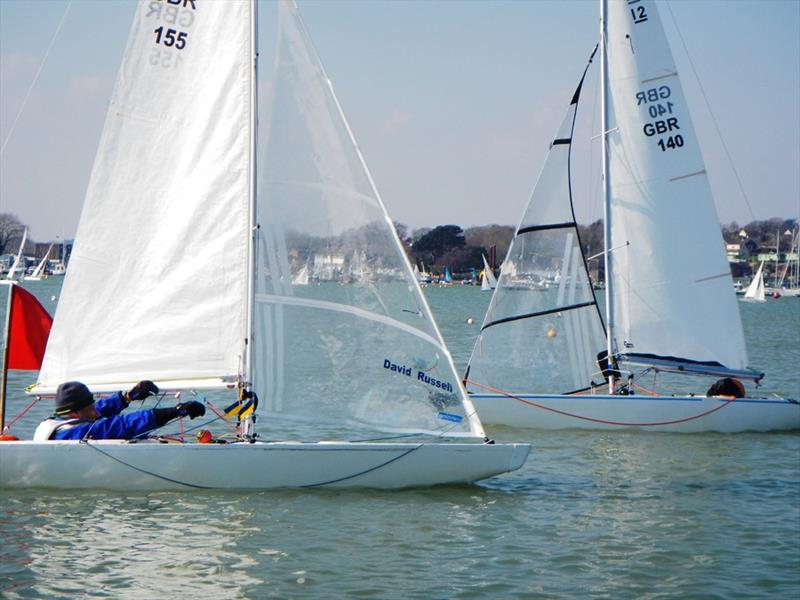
{"points": [[111, 425]]}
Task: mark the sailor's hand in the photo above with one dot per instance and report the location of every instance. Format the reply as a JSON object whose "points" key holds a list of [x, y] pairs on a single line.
{"points": [[142, 390], [191, 409]]}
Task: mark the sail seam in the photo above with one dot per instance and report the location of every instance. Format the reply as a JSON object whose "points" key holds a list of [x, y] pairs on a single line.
{"points": [[538, 314]]}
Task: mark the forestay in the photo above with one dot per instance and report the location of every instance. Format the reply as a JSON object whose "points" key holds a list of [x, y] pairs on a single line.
{"points": [[357, 346], [673, 293], [157, 282], [542, 331]]}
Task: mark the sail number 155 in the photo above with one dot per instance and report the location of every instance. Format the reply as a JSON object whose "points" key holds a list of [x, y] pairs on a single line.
{"points": [[171, 37]]}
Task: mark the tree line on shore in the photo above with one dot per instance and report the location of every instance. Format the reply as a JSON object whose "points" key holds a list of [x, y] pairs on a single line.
{"points": [[460, 249]]}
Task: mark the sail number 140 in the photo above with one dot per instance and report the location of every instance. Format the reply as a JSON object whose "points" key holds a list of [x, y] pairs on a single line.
{"points": [[171, 37], [655, 99]]}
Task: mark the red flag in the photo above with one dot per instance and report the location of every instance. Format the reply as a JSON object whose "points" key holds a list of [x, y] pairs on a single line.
{"points": [[28, 329]]}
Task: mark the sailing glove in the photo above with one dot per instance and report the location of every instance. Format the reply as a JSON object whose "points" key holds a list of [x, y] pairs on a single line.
{"points": [[191, 409], [142, 390]]}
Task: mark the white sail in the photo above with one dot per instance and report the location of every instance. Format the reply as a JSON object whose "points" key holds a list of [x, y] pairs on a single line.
{"points": [[301, 277], [346, 351], [167, 202], [671, 281], [38, 272], [488, 280], [536, 337], [12, 272], [755, 291]]}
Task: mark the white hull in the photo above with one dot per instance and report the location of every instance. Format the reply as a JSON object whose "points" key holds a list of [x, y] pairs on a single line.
{"points": [[120, 465], [682, 414]]}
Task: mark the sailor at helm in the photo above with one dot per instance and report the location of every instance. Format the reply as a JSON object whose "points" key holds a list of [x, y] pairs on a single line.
{"points": [[77, 415]]}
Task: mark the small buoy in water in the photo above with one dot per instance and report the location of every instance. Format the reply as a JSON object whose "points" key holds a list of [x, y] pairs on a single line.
{"points": [[204, 436], [52, 298], [776, 295], [551, 333], [470, 320], [8, 437]]}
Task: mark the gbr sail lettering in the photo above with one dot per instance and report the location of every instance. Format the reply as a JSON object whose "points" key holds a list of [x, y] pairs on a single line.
{"points": [[664, 126], [180, 14]]}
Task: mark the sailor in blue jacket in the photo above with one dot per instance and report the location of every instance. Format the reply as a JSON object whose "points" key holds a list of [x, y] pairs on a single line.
{"points": [[78, 416]]}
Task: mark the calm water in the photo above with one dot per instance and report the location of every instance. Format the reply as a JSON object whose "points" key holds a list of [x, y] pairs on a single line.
{"points": [[599, 514]]}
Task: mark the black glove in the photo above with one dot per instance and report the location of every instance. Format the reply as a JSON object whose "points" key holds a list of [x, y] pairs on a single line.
{"points": [[142, 390], [191, 409]]}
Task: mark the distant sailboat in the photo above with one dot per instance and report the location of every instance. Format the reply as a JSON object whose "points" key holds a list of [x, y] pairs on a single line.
{"points": [[301, 277], [38, 273], [18, 264], [541, 358], [172, 191], [756, 291], [488, 280], [448, 276]]}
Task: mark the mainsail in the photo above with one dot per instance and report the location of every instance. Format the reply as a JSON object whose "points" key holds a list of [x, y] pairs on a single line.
{"points": [[166, 206], [359, 347], [673, 297], [542, 331]]}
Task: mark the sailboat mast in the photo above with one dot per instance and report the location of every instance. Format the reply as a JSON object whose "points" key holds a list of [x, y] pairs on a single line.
{"points": [[604, 110], [252, 226]]}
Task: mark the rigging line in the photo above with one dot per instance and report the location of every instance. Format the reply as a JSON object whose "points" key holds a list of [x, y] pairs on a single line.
{"points": [[22, 414], [711, 112], [364, 472], [603, 421], [35, 78], [145, 471]]}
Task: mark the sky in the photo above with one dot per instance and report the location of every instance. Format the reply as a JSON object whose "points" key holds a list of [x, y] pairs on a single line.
{"points": [[453, 103]]}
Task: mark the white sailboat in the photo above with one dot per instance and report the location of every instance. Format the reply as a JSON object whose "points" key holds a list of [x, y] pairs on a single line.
{"points": [[38, 272], [756, 291], [488, 280], [177, 167], [670, 308], [301, 277], [12, 274]]}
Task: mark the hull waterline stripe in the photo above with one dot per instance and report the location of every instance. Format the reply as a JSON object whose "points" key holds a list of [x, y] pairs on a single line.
{"points": [[364, 472], [538, 314], [603, 421], [205, 487], [156, 475]]}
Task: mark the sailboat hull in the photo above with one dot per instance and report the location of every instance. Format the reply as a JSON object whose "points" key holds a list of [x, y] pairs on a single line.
{"points": [[681, 414], [150, 466]]}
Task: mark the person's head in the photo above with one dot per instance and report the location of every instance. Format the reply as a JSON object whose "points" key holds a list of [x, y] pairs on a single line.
{"points": [[74, 400]]}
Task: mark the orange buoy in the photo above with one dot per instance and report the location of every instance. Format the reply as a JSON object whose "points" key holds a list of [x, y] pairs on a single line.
{"points": [[204, 436], [7, 437]]}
